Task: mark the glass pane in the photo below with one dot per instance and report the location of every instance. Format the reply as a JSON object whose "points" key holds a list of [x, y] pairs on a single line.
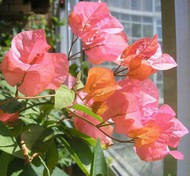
{"points": [[116, 15], [127, 27], [113, 3], [157, 6], [136, 30], [147, 19], [147, 30], [136, 18], [125, 17], [147, 5], [125, 4], [159, 32], [136, 4]]}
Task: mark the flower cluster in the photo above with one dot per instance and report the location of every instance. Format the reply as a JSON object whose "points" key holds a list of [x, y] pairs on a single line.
{"points": [[129, 106]]}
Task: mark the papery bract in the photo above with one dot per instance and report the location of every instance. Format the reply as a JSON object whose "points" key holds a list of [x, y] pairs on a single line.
{"points": [[92, 131], [101, 33], [163, 130], [100, 84], [108, 49], [145, 57], [131, 106], [29, 66], [8, 117]]}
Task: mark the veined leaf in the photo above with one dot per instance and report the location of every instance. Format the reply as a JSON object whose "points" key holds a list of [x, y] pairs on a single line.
{"points": [[63, 97], [87, 111], [76, 148], [99, 166], [8, 142], [6, 158], [51, 158], [37, 138]]}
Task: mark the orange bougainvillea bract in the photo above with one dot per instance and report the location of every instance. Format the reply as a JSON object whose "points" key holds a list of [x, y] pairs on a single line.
{"points": [[145, 57], [100, 84]]}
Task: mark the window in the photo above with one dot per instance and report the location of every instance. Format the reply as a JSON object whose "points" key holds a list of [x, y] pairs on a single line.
{"points": [[136, 4], [147, 5]]}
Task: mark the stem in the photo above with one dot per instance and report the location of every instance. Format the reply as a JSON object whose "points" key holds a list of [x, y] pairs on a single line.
{"points": [[116, 73], [7, 101], [45, 166], [72, 44], [102, 124], [42, 96], [89, 122], [35, 105], [83, 51], [25, 98], [117, 69]]}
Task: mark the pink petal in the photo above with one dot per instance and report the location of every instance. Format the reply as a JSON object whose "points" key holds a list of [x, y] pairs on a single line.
{"points": [[102, 34], [179, 131], [7, 117], [12, 73], [93, 15], [152, 152], [164, 62], [92, 131], [176, 154], [61, 68], [38, 77], [166, 109], [108, 49], [29, 44]]}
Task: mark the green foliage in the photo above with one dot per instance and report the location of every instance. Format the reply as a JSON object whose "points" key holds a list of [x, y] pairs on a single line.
{"points": [[63, 97], [99, 165], [37, 138], [87, 110], [8, 142]]}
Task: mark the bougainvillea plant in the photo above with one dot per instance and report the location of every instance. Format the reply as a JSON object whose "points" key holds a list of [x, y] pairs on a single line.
{"points": [[46, 113]]}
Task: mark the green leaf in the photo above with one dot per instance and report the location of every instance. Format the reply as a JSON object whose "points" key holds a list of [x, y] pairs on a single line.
{"points": [[59, 172], [80, 153], [99, 165], [12, 106], [6, 158], [37, 138], [87, 111], [84, 137], [63, 97], [51, 158], [29, 171], [8, 142]]}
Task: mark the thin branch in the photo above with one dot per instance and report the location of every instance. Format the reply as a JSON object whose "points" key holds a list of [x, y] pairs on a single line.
{"points": [[37, 104], [117, 69], [89, 122], [83, 51], [7, 101], [71, 47], [116, 73], [36, 97], [25, 98]]}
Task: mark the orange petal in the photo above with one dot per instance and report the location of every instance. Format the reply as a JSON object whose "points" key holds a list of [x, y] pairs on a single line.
{"points": [[145, 135], [139, 69], [100, 84]]}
